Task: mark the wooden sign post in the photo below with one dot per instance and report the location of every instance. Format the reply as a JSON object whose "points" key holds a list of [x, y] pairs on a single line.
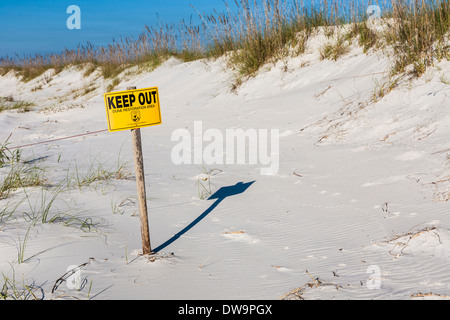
{"points": [[140, 184], [133, 109]]}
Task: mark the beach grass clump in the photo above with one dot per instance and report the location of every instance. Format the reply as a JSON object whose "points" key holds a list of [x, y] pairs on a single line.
{"points": [[98, 172], [334, 50], [15, 173], [12, 289], [418, 34], [19, 106], [21, 176]]}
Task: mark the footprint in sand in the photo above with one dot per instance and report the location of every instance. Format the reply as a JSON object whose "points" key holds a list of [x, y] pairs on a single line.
{"points": [[314, 257], [281, 268], [240, 236]]}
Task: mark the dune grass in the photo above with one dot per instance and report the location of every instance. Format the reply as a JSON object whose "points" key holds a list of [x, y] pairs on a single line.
{"points": [[15, 173], [98, 171], [12, 289], [253, 33], [9, 104]]}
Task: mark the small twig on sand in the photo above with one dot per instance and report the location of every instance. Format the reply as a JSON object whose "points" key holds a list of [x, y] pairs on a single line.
{"points": [[66, 275], [312, 278], [429, 294]]}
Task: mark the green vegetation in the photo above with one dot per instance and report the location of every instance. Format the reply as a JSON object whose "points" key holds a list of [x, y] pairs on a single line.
{"points": [[11, 289], [112, 85], [15, 173], [333, 51], [203, 183], [98, 172], [9, 104]]}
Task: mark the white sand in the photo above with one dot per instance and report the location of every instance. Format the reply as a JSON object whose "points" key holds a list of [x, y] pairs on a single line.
{"points": [[362, 189]]}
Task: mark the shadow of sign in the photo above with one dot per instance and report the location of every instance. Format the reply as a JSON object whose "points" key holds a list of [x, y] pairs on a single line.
{"points": [[219, 195]]}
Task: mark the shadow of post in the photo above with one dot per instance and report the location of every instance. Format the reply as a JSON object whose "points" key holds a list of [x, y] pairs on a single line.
{"points": [[219, 195]]}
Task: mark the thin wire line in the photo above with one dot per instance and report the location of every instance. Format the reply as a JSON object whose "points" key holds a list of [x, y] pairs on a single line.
{"points": [[64, 138]]}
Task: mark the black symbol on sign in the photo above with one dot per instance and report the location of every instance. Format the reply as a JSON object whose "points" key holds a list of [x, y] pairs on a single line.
{"points": [[135, 116]]}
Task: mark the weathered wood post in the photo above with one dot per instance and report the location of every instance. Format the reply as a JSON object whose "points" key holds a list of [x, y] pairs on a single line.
{"points": [[140, 184]]}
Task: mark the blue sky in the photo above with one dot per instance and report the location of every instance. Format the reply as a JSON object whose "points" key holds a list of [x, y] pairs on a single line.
{"points": [[32, 26]]}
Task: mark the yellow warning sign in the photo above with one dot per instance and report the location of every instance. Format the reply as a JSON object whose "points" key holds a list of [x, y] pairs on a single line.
{"points": [[132, 109]]}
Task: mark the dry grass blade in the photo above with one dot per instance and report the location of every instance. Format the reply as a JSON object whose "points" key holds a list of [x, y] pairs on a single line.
{"points": [[403, 240], [297, 293], [428, 294]]}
